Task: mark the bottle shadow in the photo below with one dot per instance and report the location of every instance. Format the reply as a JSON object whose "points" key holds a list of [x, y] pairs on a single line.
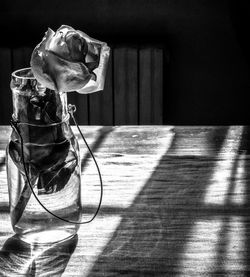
{"points": [[19, 258]]}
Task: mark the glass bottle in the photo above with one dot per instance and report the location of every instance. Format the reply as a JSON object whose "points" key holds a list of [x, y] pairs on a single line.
{"points": [[43, 163]]}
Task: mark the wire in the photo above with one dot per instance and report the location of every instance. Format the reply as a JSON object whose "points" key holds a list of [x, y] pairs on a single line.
{"points": [[71, 110]]}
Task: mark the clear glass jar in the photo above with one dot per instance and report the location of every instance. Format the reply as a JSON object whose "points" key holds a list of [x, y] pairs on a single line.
{"points": [[42, 144]]}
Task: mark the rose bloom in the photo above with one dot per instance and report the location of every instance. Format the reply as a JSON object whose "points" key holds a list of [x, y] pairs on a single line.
{"points": [[69, 60]]}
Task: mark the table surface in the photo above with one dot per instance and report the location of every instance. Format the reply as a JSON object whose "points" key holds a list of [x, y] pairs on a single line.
{"points": [[176, 203]]}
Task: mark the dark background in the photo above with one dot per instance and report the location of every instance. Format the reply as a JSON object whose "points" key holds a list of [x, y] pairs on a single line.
{"points": [[206, 80]]}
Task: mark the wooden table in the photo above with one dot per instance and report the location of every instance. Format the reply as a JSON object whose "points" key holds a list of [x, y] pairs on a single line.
{"points": [[176, 203]]}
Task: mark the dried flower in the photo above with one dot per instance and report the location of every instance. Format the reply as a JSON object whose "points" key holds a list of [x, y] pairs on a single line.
{"points": [[69, 60]]}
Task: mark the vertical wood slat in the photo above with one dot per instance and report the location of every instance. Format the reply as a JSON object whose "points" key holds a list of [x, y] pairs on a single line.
{"points": [[125, 85], [151, 85], [101, 103], [5, 92]]}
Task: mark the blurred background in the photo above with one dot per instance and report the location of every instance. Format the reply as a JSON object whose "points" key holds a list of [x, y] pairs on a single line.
{"points": [[172, 61]]}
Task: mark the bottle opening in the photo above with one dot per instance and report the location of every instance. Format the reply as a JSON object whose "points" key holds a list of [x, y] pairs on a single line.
{"points": [[24, 73]]}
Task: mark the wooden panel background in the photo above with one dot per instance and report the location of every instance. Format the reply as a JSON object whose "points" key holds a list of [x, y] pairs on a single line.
{"points": [[126, 85], [5, 94], [133, 90]]}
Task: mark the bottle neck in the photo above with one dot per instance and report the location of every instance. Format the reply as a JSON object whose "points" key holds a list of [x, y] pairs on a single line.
{"points": [[35, 104]]}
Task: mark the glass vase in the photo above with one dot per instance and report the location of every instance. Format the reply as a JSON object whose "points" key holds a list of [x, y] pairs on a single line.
{"points": [[43, 163]]}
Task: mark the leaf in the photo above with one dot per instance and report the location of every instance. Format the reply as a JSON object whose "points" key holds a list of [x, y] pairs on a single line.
{"points": [[14, 150], [56, 179], [24, 196], [40, 157]]}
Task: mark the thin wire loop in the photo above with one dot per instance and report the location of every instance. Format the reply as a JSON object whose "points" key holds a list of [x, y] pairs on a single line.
{"points": [[71, 110]]}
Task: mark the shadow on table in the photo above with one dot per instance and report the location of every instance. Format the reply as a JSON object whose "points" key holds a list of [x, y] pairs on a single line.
{"points": [[155, 230], [18, 258], [103, 134]]}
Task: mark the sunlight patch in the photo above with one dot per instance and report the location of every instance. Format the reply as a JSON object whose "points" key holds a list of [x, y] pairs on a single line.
{"points": [[235, 248], [201, 249], [219, 183], [92, 239], [238, 194]]}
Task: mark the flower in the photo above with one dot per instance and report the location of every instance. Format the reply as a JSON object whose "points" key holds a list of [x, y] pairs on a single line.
{"points": [[70, 60]]}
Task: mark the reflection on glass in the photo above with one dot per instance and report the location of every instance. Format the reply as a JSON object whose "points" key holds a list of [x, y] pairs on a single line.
{"points": [[18, 258]]}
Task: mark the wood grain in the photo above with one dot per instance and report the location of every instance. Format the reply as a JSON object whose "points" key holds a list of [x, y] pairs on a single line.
{"points": [[176, 203]]}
